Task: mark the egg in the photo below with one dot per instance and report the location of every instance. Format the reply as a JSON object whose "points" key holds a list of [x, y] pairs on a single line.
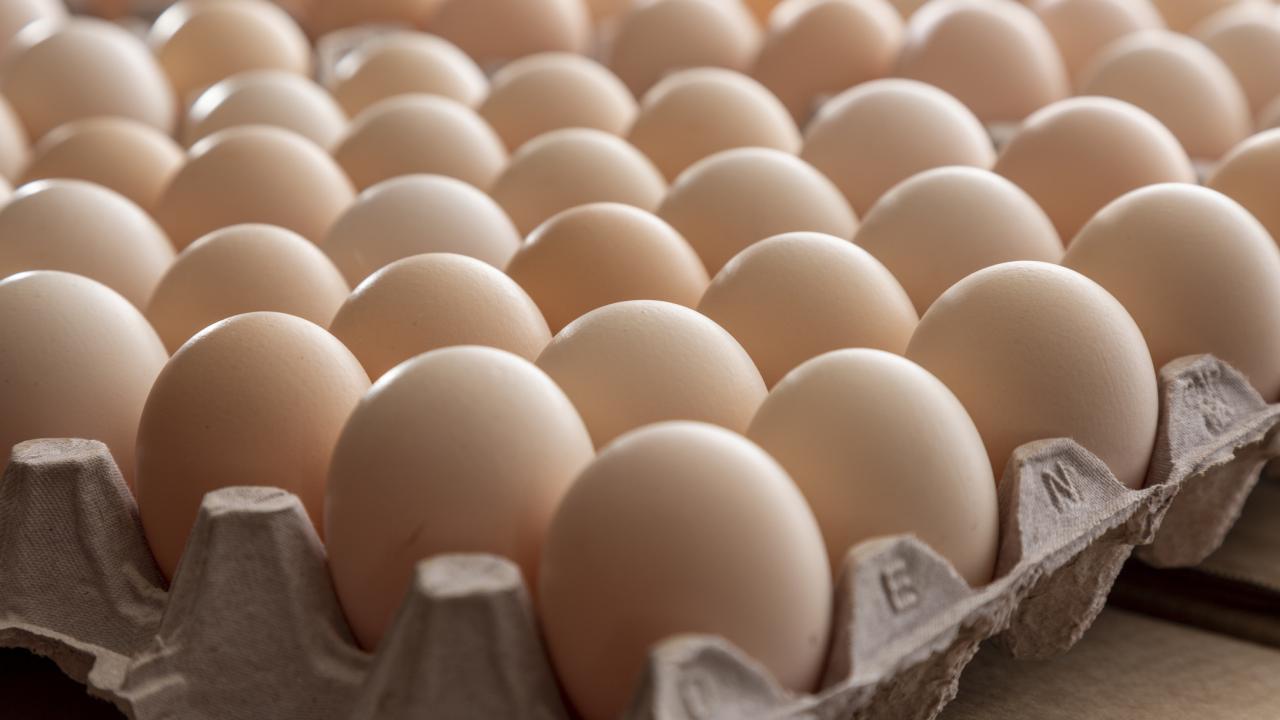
{"points": [[878, 446], [79, 227], [681, 528], [240, 269], [549, 91], [817, 48], [726, 202], [267, 97], [78, 361], [1082, 28], [411, 134], [1183, 15], [1250, 48], [323, 16], [526, 27], [907, 8], [641, 361], [996, 58], [15, 15], [254, 174], [1077, 155], [1270, 116], [129, 157], [574, 166], [1249, 175], [691, 114], [256, 399], [14, 146], [1037, 351], [933, 229], [463, 449], [797, 295], [654, 38], [602, 11], [593, 255], [1180, 82], [405, 63], [874, 136], [82, 68]]}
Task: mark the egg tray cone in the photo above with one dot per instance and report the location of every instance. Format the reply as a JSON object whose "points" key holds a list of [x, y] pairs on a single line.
{"points": [[251, 628]]}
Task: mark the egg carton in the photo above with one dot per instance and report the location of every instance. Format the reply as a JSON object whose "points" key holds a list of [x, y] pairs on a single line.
{"points": [[251, 628]]}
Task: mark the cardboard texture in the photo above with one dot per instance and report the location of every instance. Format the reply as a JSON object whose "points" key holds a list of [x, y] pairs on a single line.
{"points": [[251, 628]]}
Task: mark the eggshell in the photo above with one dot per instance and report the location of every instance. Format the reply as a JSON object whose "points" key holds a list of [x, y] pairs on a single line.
{"points": [[127, 156], [881, 447], [575, 166], [14, 147], [1035, 351], [78, 361], [257, 174], [82, 68], [1250, 48], [325, 16], [681, 528], [593, 255], [1250, 174], [1183, 15], [1270, 116], [632, 363], [406, 63], [548, 91], [240, 269], [996, 58], [934, 228], [18, 14], [1082, 28], [654, 38], [526, 27], [797, 295], [817, 48], [604, 10], [267, 97], [874, 136], [694, 113], [257, 399], [1077, 155], [411, 134], [907, 8], [1180, 82], [726, 202], [79, 227], [464, 449]]}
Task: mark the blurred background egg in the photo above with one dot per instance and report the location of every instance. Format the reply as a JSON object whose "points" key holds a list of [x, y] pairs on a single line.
{"points": [[526, 27], [657, 37], [1250, 47], [325, 16], [1250, 174], [18, 14], [464, 449], [406, 63], [1183, 15], [14, 144], [1082, 28], [266, 97]]}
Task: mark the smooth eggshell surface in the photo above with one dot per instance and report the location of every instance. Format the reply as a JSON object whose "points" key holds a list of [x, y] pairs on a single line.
{"points": [[641, 361], [403, 64], [1250, 48], [323, 16], [267, 97], [18, 14], [465, 449], [681, 528], [77, 361], [1183, 15], [657, 37], [257, 399], [14, 145], [1082, 28], [1250, 174], [1036, 351], [881, 447], [526, 27]]}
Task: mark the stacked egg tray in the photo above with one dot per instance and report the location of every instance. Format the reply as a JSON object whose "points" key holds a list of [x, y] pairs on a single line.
{"points": [[251, 628]]}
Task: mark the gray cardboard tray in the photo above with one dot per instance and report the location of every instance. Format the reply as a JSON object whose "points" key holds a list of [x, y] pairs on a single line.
{"points": [[251, 628]]}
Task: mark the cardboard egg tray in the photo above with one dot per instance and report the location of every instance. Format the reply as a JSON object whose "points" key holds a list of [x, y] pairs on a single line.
{"points": [[251, 628]]}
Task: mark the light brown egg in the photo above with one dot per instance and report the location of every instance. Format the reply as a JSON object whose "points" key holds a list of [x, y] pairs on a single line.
{"points": [[1250, 48], [412, 134], [995, 57], [603, 11], [464, 449], [1035, 351], [879, 446], [694, 113], [654, 38], [1197, 272], [1082, 28], [254, 174], [681, 528], [575, 166], [641, 361], [127, 156], [323, 16], [240, 269], [78, 362], [82, 228], [795, 296], [593, 255], [1077, 155], [1180, 82], [526, 27], [817, 48], [257, 399], [874, 136], [549, 91], [1270, 116], [1183, 15], [907, 8], [406, 63], [733, 199], [1250, 174], [267, 97], [18, 14], [15, 150], [82, 68], [933, 229]]}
